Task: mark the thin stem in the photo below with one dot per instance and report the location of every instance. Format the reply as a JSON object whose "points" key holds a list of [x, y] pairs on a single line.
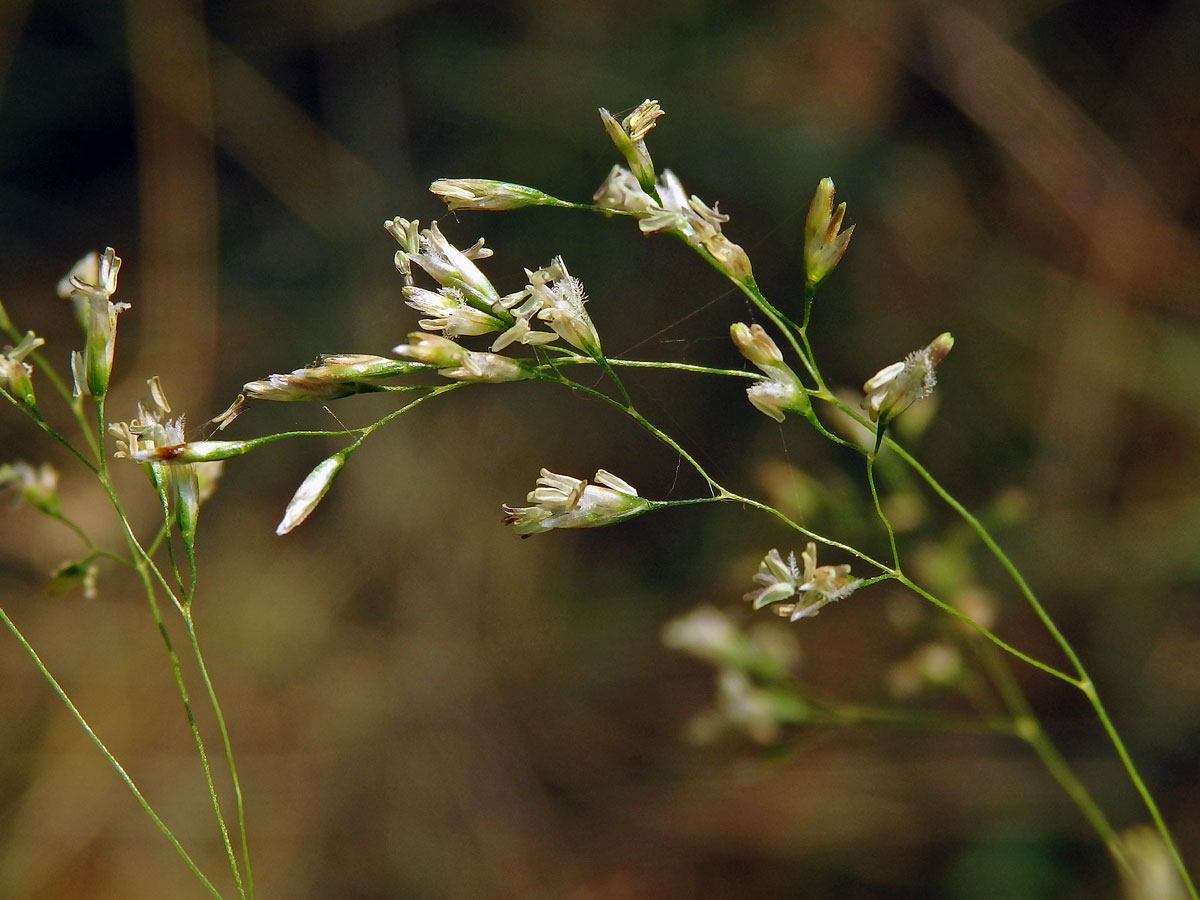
{"points": [[1083, 681], [887, 524], [47, 428], [112, 760], [574, 359], [851, 714], [1029, 728], [149, 572], [197, 738], [1089, 690], [228, 747], [633, 413], [991, 636]]}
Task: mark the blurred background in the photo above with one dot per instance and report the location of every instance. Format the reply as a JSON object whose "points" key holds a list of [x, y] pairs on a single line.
{"points": [[425, 706]]}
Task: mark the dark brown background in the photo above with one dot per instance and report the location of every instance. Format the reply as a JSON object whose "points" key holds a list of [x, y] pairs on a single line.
{"points": [[425, 706]]}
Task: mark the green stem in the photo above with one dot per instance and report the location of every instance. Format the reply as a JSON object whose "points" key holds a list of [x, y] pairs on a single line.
{"points": [[991, 636], [228, 747], [112, 760], [575, 359], [1029, 729], [46, 427], [148, 573], [887, 524], [1083, 681], [197, 738]]}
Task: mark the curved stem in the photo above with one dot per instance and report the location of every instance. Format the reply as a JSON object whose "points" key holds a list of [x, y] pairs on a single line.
{"points": [[1083, 681], [48, 429], [1029, 729], [887, 524], [112, 760]]}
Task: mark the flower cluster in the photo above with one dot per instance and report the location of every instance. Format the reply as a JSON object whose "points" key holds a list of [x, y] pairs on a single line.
{"points": [[457, 362], [662, 203], [466, 303], [155, 438], [565, 502], [37, 486], [671, 209], [755, 669], [813, 586]]}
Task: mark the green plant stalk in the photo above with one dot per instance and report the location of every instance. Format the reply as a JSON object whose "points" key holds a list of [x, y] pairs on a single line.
{"points": [[112, 760], [42, 365], [1083, 681], [1030, 730], [887, 524], [46, 427], [198, 740], [228, 747], [145, 566], [1026, 724], [722, 494]]}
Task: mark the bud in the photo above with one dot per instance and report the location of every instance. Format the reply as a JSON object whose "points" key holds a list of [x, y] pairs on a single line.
{"points": [[629, 137], [312, 489], [189, 451], [823, 246], [330, 378], [781, 390], [15, 373], [36, 486], [731, 258], [753, 342], [91, 284], [487, 367], [432, 350], [482, 193]]}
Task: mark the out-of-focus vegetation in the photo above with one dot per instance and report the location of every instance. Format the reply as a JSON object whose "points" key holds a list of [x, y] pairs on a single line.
{"points": [[425, 706]]}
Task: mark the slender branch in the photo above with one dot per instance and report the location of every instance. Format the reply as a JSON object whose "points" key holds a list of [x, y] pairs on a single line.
{"points": [[228, 747], [887, 523], [112, 760], [1029, 728]]}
